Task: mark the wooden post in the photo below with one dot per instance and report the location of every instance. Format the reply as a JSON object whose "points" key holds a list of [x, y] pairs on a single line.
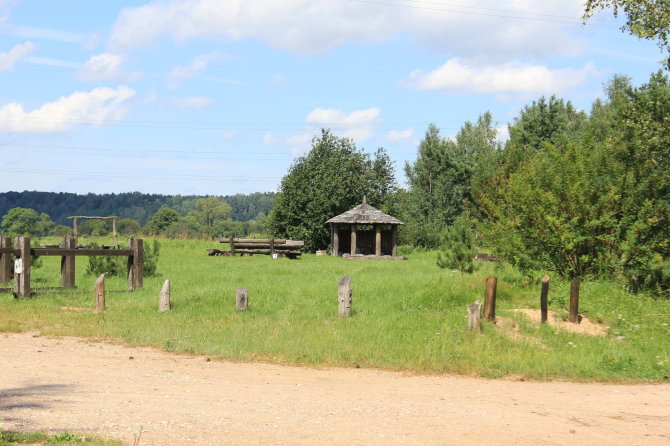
{"points": [[336, 240], [74, 227], [633, 284], [544, 298], [5, 260], [394, 240], [272, 246], [574, 302], [378, 240], [344, 295], [490, 300], [232, 245], [67, 263], [116, 240], [136, 264], [475, 317], [22, 279], [353, 239], [164, 298], [100, 294], [242, 299]]}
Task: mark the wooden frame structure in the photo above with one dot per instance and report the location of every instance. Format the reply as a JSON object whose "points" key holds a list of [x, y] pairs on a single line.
{"points": [[365, 232], [67, 252], [75, 230]]}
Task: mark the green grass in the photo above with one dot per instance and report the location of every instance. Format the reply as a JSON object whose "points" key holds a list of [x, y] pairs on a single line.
{"points": [[407, 315], [41, 438]]}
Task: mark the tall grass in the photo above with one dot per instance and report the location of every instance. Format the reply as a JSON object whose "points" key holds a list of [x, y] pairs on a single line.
{"points": [[407, 315]]}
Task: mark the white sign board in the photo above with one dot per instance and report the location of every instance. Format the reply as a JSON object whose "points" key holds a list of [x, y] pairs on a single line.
{"points": [[18, 266], [274, 256]]}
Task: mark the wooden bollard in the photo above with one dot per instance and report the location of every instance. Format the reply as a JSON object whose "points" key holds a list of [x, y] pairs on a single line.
{"points": [[242, 299], [544, 299], [100, 294], [490, 300], [344, 295], [475, 317], [164, 298], [22, 264], [574, 302]]}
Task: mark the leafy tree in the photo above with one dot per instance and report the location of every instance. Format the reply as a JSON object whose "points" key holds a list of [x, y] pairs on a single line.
{"points": [[440, 180], [44, 225], [61, 230], [162, 219], [332, 178], [210, 210], [646, 19], [458, 248], [128, 226], [20, 221]]}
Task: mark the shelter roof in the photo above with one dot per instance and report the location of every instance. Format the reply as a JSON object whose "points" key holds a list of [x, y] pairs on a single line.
{"points": [[366, 215]]}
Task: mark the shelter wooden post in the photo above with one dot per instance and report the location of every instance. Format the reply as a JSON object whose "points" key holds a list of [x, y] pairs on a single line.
{"points": [[378, 240], [22, 278], [241, 299], [67, 263], [336, 240], [344, 296], [394, 240], [136, 264], [544, 299], [490, 299], [100, 294], [116, 240], [353, 239], [5, 260], [574, 301], [164, 297]]}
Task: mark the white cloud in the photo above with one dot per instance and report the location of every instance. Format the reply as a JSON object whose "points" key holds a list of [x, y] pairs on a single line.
{"points": [[105, 66], [29, 32], [197, 66], [357, 125], [194, 102], [296, 144], [20, 51], [91, 107], [52, 62], [494, 29], [400, 136], [457, 76]]}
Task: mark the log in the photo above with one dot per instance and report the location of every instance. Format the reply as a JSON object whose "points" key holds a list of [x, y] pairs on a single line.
{"points": [[242, 299], [22, 279], [267, 241], [574, 302], [100, 294], [5, 260], [544, 299], [490, 300], [475, 317], [240, 246], [164, 297], [344, 295]]}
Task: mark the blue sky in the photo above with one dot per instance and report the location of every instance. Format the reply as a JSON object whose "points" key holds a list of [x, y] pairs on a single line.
{"points": [[217, 97]]}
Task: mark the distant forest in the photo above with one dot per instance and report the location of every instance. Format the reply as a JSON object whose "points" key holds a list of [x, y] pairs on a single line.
{"points": [[135, 205]]}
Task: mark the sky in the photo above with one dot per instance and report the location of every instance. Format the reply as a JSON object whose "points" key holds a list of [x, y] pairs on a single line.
{"points": [[218, 97]]}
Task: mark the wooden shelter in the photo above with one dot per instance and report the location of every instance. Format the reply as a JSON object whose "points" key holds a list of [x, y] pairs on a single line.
{"points": [[364, 232]]}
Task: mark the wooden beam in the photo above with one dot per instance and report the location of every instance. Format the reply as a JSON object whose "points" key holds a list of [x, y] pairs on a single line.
{"points": [[378, 240], [5, 260], [353, 240], [80, 252], [67, 263]]}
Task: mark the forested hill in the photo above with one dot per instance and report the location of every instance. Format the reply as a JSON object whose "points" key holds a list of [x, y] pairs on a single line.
{"points": [[135, 205]]}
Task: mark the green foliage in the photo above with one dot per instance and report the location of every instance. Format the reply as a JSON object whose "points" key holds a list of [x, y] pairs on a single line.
{"points": [[647, 19], [117, 266], [61, 230], [595, 203], [440, 180], [209, 211], [19, 221], [128, 226], [8, 438], [458, 248], [332, 178], [162, 220]]}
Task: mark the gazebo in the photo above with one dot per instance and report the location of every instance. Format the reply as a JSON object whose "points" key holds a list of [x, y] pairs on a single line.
{"points": [[364, 232]]}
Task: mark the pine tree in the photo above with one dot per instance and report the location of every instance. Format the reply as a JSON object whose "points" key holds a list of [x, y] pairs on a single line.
{"points": [[458, 247]]}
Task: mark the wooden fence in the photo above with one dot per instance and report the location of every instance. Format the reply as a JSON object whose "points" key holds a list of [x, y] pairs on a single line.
{"points": [[67, 251], [248, 247]]}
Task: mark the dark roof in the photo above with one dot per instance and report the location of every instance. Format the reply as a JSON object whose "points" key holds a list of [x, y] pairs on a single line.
{"points": [[366, 215]]}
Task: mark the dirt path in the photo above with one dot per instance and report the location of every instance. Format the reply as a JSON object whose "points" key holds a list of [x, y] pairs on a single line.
{"points": [[67, 384]]}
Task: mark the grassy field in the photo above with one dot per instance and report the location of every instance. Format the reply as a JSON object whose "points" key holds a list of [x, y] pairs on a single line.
{"points": [[407, 315], [62, 439]]}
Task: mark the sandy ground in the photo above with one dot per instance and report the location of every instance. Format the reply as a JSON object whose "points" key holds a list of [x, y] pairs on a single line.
{"points": [[111, 390]]}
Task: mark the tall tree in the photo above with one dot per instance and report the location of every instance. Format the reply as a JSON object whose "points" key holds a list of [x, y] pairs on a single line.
{"points": [[210, 210], [331, 178], [646, 19], [162, 220], [20, 221], [440, 180]]}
